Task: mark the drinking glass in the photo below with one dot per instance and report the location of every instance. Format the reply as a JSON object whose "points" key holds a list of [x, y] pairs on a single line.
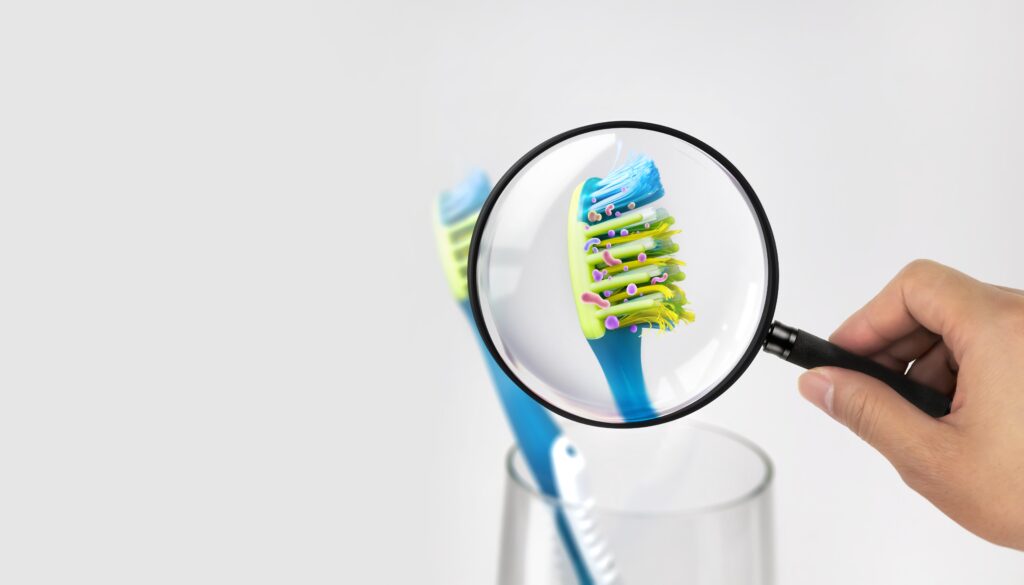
{"points": [[684, 503]]}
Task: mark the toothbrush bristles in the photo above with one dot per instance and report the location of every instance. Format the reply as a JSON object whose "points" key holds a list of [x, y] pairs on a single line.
{"points": [[631, 253]]}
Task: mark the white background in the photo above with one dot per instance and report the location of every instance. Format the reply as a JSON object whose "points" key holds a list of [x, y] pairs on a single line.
{"points": [[227, 352]]}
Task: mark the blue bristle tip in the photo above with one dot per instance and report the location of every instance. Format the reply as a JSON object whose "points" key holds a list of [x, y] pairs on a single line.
{"points": [[637, 181], [465, 198]]}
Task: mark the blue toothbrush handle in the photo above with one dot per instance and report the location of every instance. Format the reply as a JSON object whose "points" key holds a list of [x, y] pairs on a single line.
{"points": [[534, 430], [618, 352], [536, 434]]}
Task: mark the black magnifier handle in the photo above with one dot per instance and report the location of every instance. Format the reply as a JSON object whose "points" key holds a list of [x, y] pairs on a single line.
{"points": [[808, 351]]}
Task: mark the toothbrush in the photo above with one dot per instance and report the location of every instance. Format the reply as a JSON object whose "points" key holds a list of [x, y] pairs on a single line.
{"points": [[554, 461], [623, 274]]}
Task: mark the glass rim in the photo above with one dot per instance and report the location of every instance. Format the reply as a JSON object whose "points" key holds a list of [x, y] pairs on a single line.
{"points": [[762, 485]]}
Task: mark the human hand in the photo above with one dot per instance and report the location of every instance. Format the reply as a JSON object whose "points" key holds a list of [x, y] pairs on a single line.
{"points": [[962, 337]]}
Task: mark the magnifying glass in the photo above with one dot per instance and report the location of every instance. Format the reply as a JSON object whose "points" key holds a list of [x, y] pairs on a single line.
{"points": [[624, 274]]}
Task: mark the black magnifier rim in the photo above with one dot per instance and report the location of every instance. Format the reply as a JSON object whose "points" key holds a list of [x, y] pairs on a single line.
{"points": [[766, 233]]}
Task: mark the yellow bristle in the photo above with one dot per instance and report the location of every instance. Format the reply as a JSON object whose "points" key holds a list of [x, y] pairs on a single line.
{"points": [[659, 232]]}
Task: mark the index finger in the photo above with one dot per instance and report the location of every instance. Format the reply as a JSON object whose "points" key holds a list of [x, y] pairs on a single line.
{"points": [[925, 299]]}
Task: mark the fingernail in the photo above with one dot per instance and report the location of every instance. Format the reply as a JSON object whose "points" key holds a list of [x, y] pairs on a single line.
{"points": [[817, 389]]}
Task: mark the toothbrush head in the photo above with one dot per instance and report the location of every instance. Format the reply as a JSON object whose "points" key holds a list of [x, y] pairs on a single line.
{"points": [[620, 253], [455, 216]]}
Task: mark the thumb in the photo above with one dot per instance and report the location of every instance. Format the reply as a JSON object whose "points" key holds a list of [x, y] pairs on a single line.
{"points": [[875, 412]]}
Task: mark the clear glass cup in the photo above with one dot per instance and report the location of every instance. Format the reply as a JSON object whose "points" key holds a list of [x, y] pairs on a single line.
{"points": [[682, 503]]}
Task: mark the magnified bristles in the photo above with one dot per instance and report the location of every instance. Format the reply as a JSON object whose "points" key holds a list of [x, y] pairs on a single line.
{"points": [[627, 250]]}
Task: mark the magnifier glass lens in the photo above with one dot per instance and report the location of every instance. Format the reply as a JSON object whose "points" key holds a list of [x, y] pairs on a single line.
{"points": [[622, 274]]}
